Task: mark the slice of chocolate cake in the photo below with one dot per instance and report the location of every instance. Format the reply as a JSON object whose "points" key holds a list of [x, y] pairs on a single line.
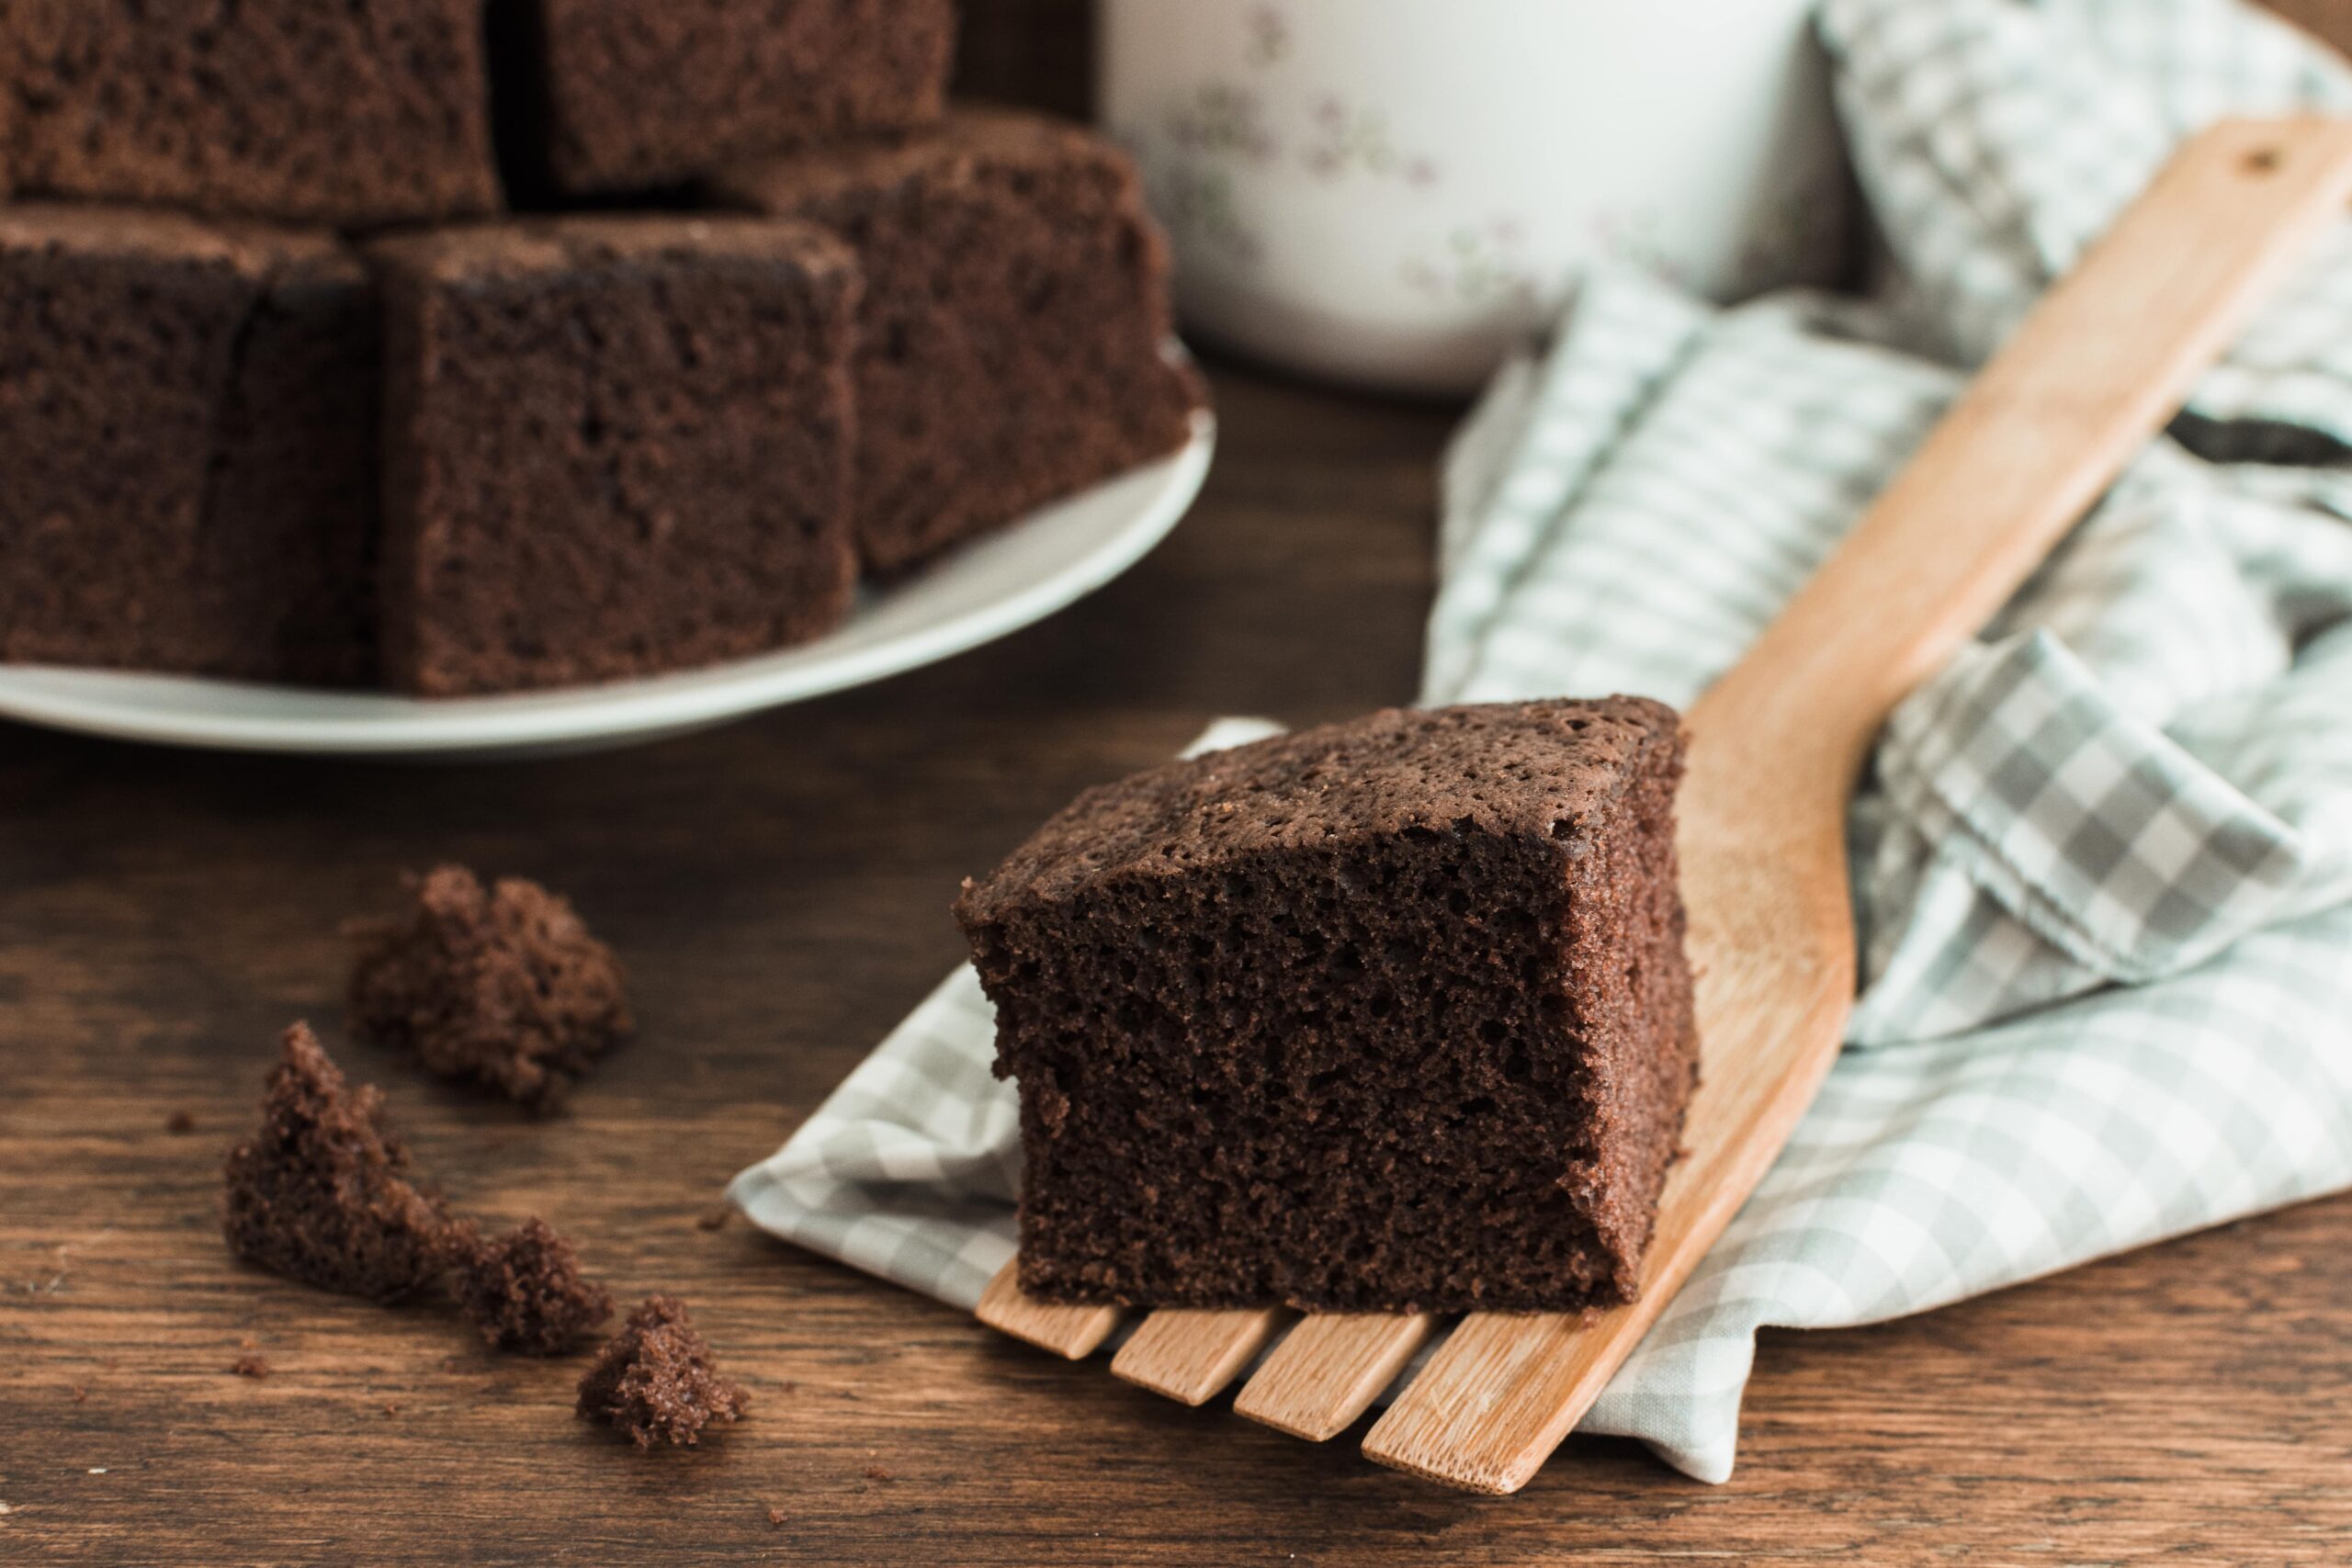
{"points": [[638, 94], [1388, 1015], [353, 115], [188, 415], [656, 1380], [1012, 343], [613, 447], [323, 1193], [503, 986]]}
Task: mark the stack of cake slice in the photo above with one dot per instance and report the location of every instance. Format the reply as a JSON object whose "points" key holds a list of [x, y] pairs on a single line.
{"points": [[331, 354]]}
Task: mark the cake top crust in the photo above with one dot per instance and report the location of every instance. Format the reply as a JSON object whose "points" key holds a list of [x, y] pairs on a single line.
{"points": [[489, 253], [250, 249], [975, 144], [1537, 769]]}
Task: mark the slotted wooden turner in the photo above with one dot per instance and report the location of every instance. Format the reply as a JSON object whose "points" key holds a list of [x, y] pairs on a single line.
{"points": [[1776, 746]]}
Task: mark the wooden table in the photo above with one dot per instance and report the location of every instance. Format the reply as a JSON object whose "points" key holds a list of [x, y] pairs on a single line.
{"points": [[780, 890]]}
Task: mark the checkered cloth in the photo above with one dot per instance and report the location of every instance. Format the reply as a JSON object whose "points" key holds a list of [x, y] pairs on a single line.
{"points": [[2103, 864]]}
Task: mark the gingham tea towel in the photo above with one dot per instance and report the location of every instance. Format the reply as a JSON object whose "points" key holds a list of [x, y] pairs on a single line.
{"points": [[2103, 864]]}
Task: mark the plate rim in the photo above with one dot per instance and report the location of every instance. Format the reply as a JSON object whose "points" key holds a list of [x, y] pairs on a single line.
{"points": [[649, 707]]}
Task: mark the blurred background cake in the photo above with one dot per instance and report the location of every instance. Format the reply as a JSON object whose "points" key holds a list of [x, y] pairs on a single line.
{"points": [[598, 446]]}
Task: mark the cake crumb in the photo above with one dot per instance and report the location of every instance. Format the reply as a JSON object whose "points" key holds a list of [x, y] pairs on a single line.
{"points": [[655, 1380], [524, 1291], [80, 1393], [392, 1408], [501, 984], [250, 1367], [715, 1220], [777, 1516], [322, 1193], [179, 1121], [876, 1473]]}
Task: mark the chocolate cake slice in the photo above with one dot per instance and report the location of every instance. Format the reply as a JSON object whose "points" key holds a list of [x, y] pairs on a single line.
{"points": [[613, 447], [349, 114], [323, 1193], [1013, 341], [629, 94], [1392, 1014], [501, 984], [188, 415]]}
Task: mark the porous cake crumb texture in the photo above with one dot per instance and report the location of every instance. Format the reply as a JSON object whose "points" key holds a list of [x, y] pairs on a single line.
{"points": [[524, 1291], [188, 425], [347, 113], [632, 94], [1390, 1014], [1012, 343], [322, 1193], [501, 984], [616, 447], [655, 1380]]}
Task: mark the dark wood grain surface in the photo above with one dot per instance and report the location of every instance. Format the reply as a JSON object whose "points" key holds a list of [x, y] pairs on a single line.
{"points": [[780, 890]]}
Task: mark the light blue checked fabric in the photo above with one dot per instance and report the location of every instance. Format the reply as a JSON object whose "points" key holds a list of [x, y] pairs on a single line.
{"points": [[2103, 862]]}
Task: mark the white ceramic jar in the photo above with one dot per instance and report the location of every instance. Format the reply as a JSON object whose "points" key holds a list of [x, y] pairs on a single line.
{"points": [[1393, 192]]}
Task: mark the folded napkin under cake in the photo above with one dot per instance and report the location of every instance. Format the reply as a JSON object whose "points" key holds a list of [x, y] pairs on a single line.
{"points": [[2102, 863]]}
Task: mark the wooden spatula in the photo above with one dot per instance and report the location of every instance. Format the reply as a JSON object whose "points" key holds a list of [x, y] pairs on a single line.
{"points": [[1776, 746]]}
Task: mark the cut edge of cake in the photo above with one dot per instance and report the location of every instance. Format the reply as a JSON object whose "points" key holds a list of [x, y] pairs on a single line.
{"points": [[1200, 1138], [258, 530], [983, 397], [788, 278]]}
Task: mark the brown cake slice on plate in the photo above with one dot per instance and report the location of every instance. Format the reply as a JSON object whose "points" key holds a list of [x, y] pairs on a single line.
{"points": [[1012, 347], [296, 110], [1392, 1014], [187, 415], [614, 447], [627, 94]]}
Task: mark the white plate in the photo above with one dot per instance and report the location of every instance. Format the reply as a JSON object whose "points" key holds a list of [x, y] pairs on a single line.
{"points": [[992, 586]]}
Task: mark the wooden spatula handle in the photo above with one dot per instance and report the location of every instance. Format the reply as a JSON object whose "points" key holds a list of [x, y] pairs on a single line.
{"points": [[2094, 371]]}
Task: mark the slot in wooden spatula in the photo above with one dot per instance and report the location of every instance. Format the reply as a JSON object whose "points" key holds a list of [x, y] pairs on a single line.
{"points": [[1776, 746]]}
